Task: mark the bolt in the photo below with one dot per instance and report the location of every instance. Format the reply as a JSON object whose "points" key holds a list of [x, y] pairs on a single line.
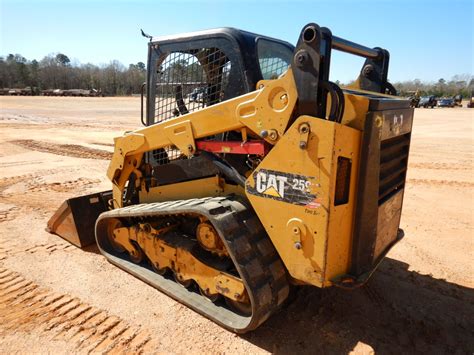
{"points": [[190, 148], [368, 70], [273, 135], [298, 245], [264, 134], [304, 128], [261, 86], [303, 145], [301, 57], [284, 98]]}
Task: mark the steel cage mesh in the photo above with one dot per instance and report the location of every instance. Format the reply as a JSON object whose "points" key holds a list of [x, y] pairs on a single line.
{"points": [[189, 81]]}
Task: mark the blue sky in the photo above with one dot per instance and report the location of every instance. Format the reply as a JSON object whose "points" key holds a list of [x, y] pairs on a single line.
{"points": [[427, 40]]}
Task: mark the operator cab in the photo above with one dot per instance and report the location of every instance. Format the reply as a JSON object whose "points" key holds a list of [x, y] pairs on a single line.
{"points": [[200, 69]]}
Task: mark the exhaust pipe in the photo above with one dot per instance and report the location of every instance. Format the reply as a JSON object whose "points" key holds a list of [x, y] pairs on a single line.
{"points": [[75, 219]]}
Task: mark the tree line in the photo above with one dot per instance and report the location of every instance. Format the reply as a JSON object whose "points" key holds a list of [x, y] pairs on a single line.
{"points": [[457, 85], [56, 71]]}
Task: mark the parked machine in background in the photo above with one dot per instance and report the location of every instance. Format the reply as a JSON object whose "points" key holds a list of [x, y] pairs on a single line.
{"points": [[27, 91], [414, 97], [428, 101], [446, 102], [282, 179], [457, 99]]}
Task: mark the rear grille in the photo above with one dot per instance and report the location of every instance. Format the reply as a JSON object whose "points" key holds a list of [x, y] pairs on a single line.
{"points": [[393, 166]]}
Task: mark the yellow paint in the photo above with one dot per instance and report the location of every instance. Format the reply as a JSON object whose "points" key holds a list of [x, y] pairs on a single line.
{"points": [[347, 144], [211, 186], [318, 230], [180, 260]]}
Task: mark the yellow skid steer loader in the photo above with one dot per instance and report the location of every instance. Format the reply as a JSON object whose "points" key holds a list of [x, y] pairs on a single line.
{"points": [[253, 173]]}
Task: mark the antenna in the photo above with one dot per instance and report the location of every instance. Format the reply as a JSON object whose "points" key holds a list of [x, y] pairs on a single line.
{"points": [[146, 35]]}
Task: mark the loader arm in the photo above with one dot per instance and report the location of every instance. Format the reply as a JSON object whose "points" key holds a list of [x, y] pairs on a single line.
{"points": [[266, 109]]}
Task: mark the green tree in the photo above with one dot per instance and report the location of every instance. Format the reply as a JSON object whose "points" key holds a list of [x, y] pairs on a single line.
{"points": [[62, 59]]}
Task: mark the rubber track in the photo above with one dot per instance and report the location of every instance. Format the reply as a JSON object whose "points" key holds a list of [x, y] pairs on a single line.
{"points": [[254, 257]]}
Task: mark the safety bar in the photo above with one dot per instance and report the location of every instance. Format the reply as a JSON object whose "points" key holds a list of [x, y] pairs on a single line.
{"points": [[344, 45]]}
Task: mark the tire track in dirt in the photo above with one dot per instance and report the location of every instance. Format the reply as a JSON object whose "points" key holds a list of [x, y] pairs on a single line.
{"points": [[18, 163], [25, 306], [35, 193], [6, 182], [70, 150], [104, 144], [8, 248], [441, 166], [63, 186], [44, 123], [12, 180], [432, 182], [9, 214]]}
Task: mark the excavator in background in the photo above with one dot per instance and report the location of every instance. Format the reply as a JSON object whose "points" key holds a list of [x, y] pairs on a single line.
{"points": [[275, 177]]}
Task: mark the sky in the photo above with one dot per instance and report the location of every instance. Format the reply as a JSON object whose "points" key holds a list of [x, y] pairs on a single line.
{"points": [[427, 40]]}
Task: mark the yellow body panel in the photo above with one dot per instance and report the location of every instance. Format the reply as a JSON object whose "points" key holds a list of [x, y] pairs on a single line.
{"points": [[339, 239], [211, 186], [355, 109], [298, 224]]}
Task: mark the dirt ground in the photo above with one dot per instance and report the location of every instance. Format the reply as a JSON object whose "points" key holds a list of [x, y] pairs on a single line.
{"points": [[59, 299]]}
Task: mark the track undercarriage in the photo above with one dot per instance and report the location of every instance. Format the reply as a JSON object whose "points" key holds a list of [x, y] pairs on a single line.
{"points": [[211, 254]]}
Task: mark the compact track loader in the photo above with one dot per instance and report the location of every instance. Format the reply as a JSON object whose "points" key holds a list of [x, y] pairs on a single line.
{"points": [[253, 173]]}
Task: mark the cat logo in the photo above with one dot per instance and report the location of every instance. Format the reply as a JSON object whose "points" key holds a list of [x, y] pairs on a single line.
{"points": [[270, 184], [281, 186]]}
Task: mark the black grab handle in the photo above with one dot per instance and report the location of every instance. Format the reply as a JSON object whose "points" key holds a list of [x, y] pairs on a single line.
{"points": [[346, 46], [142, 92]]}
